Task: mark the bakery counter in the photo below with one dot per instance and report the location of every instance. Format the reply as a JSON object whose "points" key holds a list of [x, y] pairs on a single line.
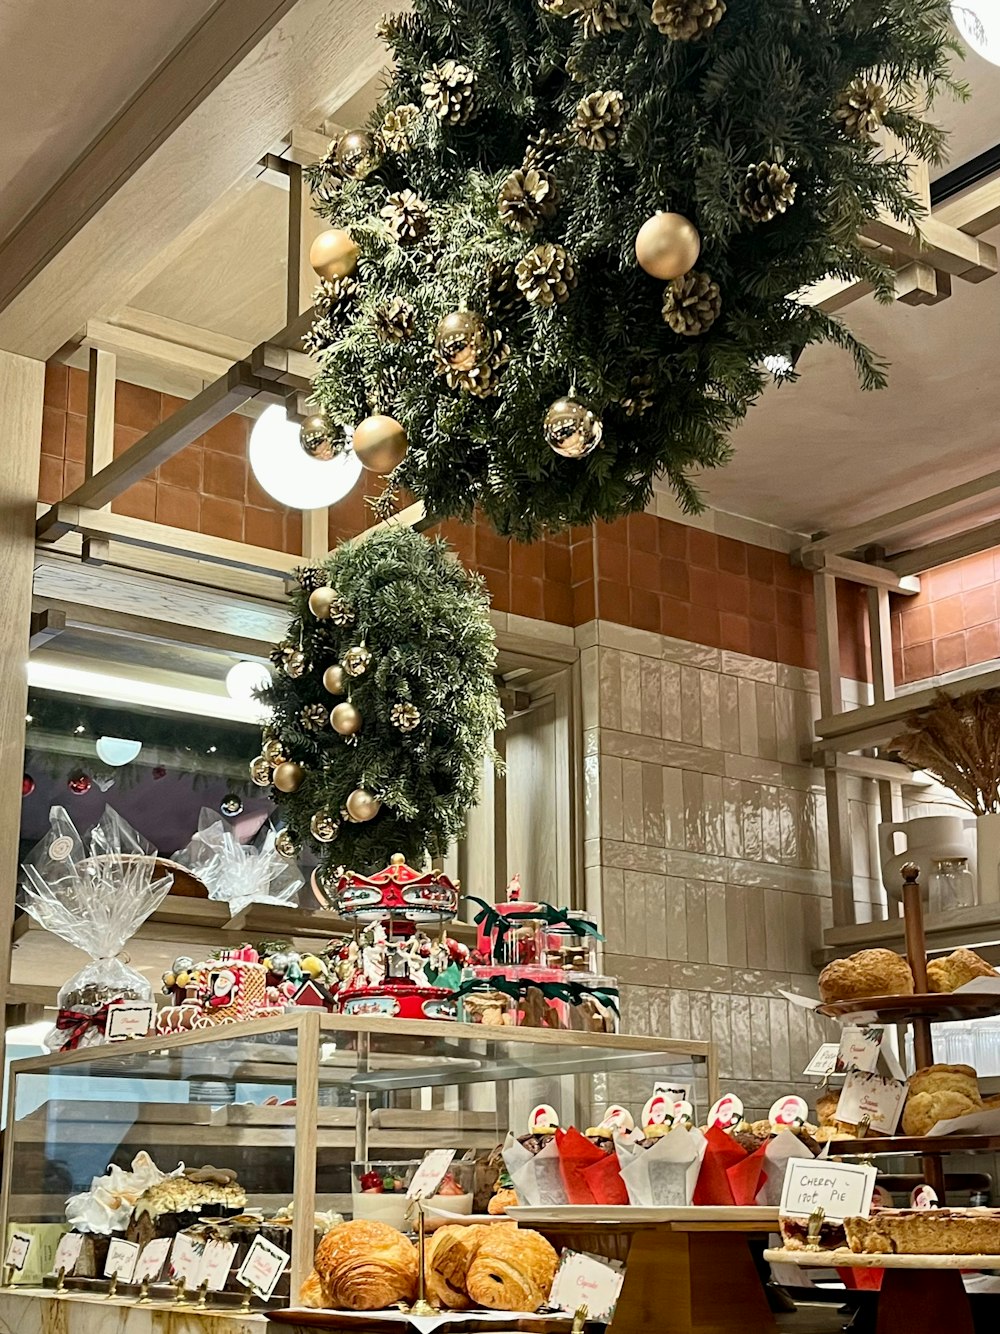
{"points": [[36, 1311]]}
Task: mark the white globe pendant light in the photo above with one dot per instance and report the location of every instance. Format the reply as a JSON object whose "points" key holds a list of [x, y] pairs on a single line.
{"points": [[117, 750], [288, 474], [244, 678], [979, 24]]}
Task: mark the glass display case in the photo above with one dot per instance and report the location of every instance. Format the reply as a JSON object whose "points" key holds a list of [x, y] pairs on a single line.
{"points": [[290, 1103]]}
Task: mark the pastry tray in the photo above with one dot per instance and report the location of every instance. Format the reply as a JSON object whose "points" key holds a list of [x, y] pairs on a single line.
{"points": [[938, 1007], [845, 1259], [759, 1215], [877, 1146], [452, 1322]]}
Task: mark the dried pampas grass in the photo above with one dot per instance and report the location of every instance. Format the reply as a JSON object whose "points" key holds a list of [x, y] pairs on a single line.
{"points": [[957, 741]]}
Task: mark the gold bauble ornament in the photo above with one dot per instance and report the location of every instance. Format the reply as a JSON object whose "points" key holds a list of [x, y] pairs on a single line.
{"points": [[362, 806], [272, 751], [288, 776], [321, 600], [356, 155], [260, 771], [335, 679], [285, 844], [357, 660], [295, 663], [571, 430], [667, 246], [462, 339], [323, 827], [316, 437], [345, 719], [380, 443], [333, 254]]}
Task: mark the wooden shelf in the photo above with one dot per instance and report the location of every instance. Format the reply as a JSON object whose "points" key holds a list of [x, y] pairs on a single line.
{"points": [[879, 1146], [976, 928], [932, 1007]]}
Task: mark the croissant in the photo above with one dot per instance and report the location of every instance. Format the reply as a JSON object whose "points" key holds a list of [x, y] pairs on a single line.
{"points": [[512, 1270], [448, 1252], [312, 1295], [365, 1266]]}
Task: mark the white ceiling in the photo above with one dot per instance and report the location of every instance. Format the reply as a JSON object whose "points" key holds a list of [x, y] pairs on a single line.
{"points": [[69, 67]]}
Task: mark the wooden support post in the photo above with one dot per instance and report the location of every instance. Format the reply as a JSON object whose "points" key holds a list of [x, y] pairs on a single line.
{"points": [[22, 384], [100, 442], [880, 635], [45, 625], [315, 534], [838, 812]]}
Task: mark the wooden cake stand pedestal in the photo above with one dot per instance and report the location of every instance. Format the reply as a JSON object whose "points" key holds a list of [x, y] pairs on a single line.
{"points": [[688, 1272], [919, 1292]]}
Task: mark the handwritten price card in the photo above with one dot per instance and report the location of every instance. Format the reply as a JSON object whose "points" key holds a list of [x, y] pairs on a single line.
{"points": [[841, 1190]]}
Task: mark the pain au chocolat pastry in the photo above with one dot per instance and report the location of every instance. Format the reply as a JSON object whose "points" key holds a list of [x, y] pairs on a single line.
{"points": [[868, 973], [448, 1253], [365, 1266], [955, 969], [512, 1270]]}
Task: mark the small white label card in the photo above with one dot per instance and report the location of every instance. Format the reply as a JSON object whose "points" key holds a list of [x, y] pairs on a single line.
{"points": [[430, 1174], [866, 1094], [129, 1019], [152, 1259], [672, 1092], [841, 1190], [542, 1117], [67, 1252], [859, 1047], [789, 1111], [216, 1264], [122, 1256], [264, 1265], [17, 1250], [824, 1062], [185, 1260], [726, 1112], [586, 1280]]}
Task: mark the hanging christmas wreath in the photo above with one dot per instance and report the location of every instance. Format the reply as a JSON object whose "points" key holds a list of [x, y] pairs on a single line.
{"points": [[573, 230], [384, 704]]}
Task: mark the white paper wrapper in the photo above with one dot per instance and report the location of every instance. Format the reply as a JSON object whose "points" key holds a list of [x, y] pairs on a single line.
{"points": [[666, 1175], [536, 1177], [107, 1206], [785, 1145], [239, 873], [976, 1123]]}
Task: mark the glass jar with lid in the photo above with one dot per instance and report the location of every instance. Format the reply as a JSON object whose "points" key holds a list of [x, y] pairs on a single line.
{"points": [[951, 885]]}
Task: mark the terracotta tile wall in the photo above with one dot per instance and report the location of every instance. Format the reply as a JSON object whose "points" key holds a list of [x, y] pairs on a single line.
{"points": [[642, 571], [953, 622]]}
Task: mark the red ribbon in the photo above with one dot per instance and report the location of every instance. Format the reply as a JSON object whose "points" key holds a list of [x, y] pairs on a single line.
{"points": [[75, 1023]]}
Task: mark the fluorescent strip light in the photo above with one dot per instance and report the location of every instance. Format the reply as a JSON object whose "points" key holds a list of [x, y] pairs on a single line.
{"points": [[103, 686]]}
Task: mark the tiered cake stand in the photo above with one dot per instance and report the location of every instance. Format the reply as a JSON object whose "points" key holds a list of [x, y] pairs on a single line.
{"points": [[919, 1011]]}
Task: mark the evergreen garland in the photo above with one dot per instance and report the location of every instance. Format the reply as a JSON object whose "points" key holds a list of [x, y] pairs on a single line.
{"points": [[630, 108], [425, 621]]}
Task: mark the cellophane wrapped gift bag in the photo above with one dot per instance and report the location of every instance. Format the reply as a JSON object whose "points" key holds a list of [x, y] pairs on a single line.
{"points": [[95, 895], [239, 873]]}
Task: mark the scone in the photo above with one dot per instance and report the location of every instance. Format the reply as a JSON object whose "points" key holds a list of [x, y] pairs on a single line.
{"points": [[937, 1093], [954, 970], [512, 1271], [868, 973], [366, 1266], [826, 1107]]}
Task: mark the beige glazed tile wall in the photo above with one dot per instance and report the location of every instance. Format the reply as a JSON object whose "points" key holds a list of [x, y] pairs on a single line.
{"points": [[705, 848]]}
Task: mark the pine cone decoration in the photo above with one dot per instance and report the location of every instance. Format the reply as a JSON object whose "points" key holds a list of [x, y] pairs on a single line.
{"points": [[449, 91], [398, 127], [687, 20], [314, 717], [341, 612], [405, 716], [601, 16], [407, 217], [545, 149], [310, 578], [692, 304], [598, 120], [391, 27], [481, 380], [767, 191], [334, 299], [639, 396], [323, 334], [396, 321], [860, 109], [528, 198], [545, 276], [503, 296]]}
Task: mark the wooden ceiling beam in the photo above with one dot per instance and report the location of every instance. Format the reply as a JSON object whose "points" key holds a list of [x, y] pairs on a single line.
{"points": [[224, 99]]}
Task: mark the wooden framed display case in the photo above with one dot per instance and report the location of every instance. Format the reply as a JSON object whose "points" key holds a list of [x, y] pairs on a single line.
{"points": [[290, 1101]]}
